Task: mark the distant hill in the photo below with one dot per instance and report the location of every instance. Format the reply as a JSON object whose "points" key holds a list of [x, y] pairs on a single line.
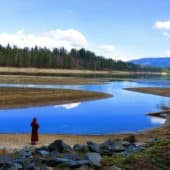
{"points": [[154, 62]]}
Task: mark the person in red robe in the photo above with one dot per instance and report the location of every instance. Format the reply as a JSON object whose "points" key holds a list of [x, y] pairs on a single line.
{"points": [[34, 134]]}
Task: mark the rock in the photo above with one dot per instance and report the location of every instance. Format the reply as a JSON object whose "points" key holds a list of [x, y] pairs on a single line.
{"points": [[56, 161], [66, 162], [30, 166], [42, 153], [124, 143], [44, 167], [152, 140], [76, 164], [94, 158], [5, 158], [111, 146], [59, 146], [71, 156], [12, 166], [93, 147], [114, 168], [25, 152], [27, 163], [132, 149], [80, 148], [84, 167]]}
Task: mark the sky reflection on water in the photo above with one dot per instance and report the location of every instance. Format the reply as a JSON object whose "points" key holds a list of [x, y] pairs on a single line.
{"points": [[123, 112]]}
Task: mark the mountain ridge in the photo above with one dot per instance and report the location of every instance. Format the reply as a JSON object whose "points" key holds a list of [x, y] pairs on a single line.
{"points": [[152, 61]]}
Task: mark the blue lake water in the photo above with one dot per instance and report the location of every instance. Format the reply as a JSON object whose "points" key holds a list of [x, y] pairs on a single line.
{"points": [[123, 112]]}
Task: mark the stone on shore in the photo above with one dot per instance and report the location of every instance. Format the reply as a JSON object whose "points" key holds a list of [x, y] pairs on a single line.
{"points": [[94, 158], [59, 146]]}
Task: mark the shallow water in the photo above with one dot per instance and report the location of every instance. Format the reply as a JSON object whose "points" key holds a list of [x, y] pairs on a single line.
{"points": [[123, 112]]}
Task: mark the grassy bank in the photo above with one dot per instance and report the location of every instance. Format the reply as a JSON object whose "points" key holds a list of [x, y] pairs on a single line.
{"points": [[152, 90], [23, 79], [66, 72], [26, 97], [154, 157]]}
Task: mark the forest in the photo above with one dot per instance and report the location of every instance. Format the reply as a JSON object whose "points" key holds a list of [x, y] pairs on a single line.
{"points": [[61, 58]]}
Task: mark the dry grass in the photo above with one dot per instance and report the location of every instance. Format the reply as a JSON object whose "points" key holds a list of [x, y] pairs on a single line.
{"points": [[47, 80], [26, 97], [152, 90], [15, 70]]}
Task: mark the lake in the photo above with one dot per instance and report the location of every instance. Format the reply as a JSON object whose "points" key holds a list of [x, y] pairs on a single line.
{"points": [[124, 112]]}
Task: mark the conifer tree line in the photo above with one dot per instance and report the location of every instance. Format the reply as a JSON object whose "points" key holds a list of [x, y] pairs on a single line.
{"points": [[60, 58]]}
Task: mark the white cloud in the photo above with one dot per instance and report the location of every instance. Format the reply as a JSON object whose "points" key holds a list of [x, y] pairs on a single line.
{"points": [[107, 50], [162, 25], [68, 106], [110, 49], [69, 38], [167, 54], [166, 34], [116, 53]]}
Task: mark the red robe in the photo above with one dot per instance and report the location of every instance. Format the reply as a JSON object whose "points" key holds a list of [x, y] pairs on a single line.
{"points": [[34, 134]]}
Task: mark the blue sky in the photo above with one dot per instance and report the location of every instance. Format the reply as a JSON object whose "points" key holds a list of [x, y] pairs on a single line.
{"points": [[121, 29]]}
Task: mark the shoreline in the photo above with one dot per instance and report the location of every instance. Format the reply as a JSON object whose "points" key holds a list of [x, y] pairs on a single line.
{"points": [[20, 140]]}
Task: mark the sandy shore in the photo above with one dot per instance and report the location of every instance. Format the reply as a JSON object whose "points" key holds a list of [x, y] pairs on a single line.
{"points": [[17, 141]]}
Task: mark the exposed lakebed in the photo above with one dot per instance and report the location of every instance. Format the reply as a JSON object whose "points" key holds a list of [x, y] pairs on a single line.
{"points": [[124, 112]]}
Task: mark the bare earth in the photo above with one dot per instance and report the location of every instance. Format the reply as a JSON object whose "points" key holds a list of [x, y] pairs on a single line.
{"points": [[27, 97], [151, 90]]}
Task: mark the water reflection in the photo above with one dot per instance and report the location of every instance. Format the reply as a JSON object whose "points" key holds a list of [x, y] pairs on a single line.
{"points": [[157, 120], [68, 106], [123, 112]]}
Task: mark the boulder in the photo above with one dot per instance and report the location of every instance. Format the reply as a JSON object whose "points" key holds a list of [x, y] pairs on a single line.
{"points": [[85, 167], [66, 162], [42, 153], [114, 168], [94, 158], [56, 161], [152, 140], [93, 147], [111, 146], [12, 166], [76, 164], [80, 148], [71, 156], [132, 149], [5, 158], [59, 146], [124, 143], [25, 152]]}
